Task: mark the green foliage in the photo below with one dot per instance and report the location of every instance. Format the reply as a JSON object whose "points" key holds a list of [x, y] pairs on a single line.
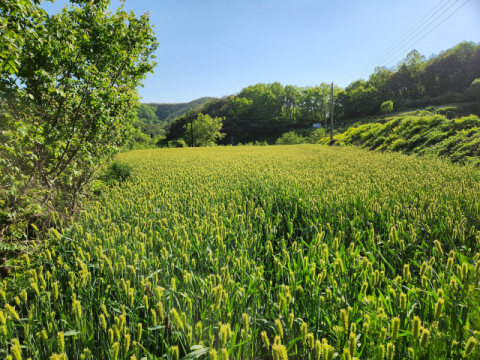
{"points": [[146, 114], [206, 130], [15, 15], [315, 136], [68, 104], [152, 131], [147, 124], [474, 89], [448, 111], [290, 138], [140, 140], [118, 171], [415, 82], [455, 139], [115, 173], [262, 112], [177, 143], [163, 143], [387, 107], [257, 252]]}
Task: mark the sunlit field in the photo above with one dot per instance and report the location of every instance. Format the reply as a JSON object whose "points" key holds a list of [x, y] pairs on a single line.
{"points": [[299, 252]]}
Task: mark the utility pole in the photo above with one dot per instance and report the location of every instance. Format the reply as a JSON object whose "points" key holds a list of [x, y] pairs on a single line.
{"points": [[331, 116], [232, 140], [326, 119], [191, 123]]}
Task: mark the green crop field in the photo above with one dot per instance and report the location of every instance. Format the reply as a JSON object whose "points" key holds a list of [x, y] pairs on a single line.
{"points": [[300, 252]]}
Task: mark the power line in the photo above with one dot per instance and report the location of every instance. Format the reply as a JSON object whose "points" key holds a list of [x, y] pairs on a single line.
{"points": [[435, 27], [374, 60], [388, 59], [425, 28]]}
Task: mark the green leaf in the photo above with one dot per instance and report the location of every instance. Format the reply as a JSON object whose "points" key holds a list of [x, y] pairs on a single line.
{"points": [[71, 333], [197, 353]]}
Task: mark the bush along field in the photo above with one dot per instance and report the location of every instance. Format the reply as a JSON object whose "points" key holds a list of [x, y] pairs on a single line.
{"points": [[456, 139], [299, 252]]}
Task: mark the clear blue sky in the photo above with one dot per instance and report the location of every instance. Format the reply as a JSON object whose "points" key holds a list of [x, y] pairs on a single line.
{"points": [[218, 47]]}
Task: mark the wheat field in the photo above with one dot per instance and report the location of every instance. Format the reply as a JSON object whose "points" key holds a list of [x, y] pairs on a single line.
{"points": [[299, 252]]}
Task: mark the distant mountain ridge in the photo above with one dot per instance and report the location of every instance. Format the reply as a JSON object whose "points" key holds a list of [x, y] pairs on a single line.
{"points": [[168, 112]]}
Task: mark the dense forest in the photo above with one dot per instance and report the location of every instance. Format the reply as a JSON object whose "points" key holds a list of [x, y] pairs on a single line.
{"points": [[152, 119], [263, 112]]}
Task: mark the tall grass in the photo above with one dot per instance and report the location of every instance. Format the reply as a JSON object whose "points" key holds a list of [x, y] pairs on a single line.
{"points": [[299, 252]]}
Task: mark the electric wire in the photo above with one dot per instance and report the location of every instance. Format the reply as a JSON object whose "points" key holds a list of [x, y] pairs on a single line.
{"points": [[394, 44], [389, 59], [387, 56]]}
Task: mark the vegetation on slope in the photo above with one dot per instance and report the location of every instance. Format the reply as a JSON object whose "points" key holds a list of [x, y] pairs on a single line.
{"points": [[455, 139], [252, 252], [451, 111]]}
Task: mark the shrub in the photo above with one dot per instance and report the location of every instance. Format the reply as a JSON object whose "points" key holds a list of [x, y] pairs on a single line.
{"points": [[116, 172], [180, 143], [474, 89], [290, 138], [387, 107], [315, 136]]}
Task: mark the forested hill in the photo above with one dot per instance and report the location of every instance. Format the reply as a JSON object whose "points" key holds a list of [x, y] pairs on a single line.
{"points": [[265, 111], [166, 112]]}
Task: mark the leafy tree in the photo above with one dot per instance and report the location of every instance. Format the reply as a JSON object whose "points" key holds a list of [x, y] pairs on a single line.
{"points": [[290, 101], [387, 106], [316, 135], [474, 89], [15, 15], [290, 138], [206, 130], [312, 106], [68, 100]]}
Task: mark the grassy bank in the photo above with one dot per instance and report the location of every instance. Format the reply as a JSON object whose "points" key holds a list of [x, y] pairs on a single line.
{"points": [[455, 139]]}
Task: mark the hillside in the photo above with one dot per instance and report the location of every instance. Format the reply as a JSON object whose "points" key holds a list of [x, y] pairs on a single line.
{"points": [[263, 112], [167, 112]]}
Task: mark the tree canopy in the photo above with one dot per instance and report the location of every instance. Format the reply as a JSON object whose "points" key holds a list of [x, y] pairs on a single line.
{"points": [[68, 99], [387, 106], [206, 130]]}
